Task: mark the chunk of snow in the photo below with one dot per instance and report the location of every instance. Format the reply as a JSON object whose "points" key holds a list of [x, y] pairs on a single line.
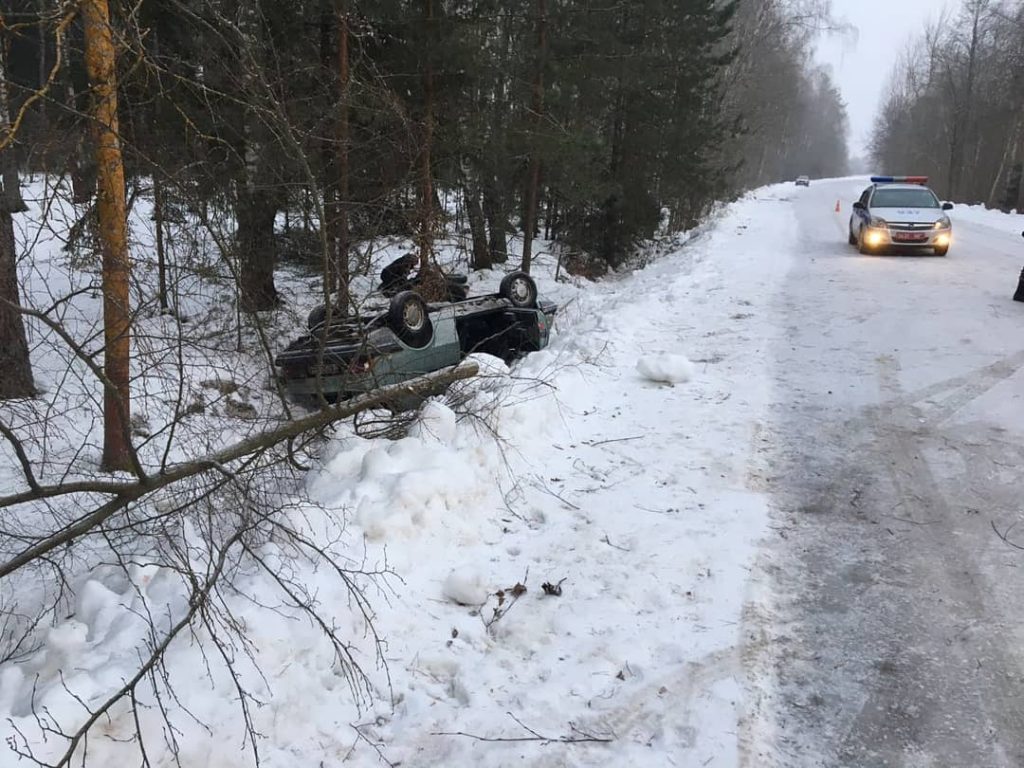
{"points": [[489, 364], [665, 368], [437, 422], [465, 586]]}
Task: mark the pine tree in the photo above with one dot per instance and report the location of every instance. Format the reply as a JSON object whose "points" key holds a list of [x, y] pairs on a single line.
{"points": [[16, 380], [100, 59]]}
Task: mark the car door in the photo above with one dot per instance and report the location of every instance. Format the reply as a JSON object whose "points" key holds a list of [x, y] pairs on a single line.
{"points": [[863, 216]]}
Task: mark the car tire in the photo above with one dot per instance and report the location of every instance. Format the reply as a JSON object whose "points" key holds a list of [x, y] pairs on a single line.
{"points": [[408, 318], [317, 316], [941, 251], [851, 239], [519, 289], [862, 245]]}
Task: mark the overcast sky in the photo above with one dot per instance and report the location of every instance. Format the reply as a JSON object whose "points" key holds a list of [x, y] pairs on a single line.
{"points": [[862, 66]]}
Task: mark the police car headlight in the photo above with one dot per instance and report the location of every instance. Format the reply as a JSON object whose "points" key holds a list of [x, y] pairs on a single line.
{"points": [[878, 223], [943, 223]]}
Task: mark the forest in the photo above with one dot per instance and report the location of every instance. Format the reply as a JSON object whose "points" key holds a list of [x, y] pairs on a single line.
{"points": [[954, 109], [591, 120]]}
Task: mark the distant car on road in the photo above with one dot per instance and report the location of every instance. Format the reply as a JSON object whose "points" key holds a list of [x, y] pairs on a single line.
{"points": [[900, 212], [803, 181]]}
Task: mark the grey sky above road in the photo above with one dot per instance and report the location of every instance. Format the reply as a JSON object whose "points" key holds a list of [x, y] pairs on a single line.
{"points": [[861, 63]]}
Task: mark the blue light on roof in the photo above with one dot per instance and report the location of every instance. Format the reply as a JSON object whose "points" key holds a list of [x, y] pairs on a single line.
{"points": [[899, 179]]}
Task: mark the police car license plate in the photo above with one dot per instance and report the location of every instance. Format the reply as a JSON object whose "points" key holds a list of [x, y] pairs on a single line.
{"points": [[909, 237]]}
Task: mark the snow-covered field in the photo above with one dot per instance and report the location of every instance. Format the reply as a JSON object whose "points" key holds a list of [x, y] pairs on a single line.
{"points": [[564, 582]]}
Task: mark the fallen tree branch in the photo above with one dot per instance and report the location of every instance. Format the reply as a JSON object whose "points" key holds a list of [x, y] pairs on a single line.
{"points": [[575, 736], [125, 493]]}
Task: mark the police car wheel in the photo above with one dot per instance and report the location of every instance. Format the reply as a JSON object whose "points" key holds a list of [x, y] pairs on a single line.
{"points": [[862, 245], [851, 239]]}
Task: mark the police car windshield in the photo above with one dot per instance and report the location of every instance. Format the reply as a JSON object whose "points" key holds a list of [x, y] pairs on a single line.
{"points": [[904, 198]]}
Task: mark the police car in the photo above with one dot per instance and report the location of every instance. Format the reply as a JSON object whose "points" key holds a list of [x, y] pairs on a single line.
{"points": [[900, 212]]}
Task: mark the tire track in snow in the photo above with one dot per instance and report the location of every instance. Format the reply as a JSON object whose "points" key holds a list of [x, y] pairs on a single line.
{"points": [[915, 711], [964, 389]]}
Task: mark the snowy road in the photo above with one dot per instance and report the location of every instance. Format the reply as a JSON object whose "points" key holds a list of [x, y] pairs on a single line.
{"points": [[896, 637]]}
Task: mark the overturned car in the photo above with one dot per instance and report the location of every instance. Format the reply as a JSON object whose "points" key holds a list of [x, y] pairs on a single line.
{"points": [[405, 337]]}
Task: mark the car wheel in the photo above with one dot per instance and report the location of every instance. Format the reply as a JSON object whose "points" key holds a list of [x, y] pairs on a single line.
{"points": [[850, 238], [408, 318], [862, 245], [317, 316], [519, 289], [942, 251]]}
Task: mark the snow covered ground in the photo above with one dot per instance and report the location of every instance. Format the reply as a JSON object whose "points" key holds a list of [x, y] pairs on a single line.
{"points": [[1013, 223], [586, 565]]}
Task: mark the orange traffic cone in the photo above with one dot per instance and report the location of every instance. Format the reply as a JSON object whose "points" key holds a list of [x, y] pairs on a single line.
{"points": [[837, 206]]}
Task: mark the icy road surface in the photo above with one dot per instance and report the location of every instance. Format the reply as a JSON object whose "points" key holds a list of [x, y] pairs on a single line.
{"points": [[897, 632]]}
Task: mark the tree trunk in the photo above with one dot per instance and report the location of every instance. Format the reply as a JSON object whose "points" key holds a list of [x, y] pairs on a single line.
{"points": [[1012, 198], [158, 199], [12, 201], [344, 81], [257, 206], [328, 233], [548, 216], [494, 212], [16, 380], [1006, 163], [477, 229], [80, 166], [158, 225], [426, 186], [533, 180], [42, 72], [100, 62], [256, 212]]}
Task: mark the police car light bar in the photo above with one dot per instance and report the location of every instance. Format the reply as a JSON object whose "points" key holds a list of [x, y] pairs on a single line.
{"points": [[899, 179]]}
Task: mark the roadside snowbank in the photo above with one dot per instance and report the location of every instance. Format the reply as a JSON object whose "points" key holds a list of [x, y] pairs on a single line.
{"points": [[1013, 223], [641, 503]]}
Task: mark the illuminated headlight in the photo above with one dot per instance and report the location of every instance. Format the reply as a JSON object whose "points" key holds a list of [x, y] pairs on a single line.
{"points": [[942, 240], [875, 238], [878, 223], [943, 223]]}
